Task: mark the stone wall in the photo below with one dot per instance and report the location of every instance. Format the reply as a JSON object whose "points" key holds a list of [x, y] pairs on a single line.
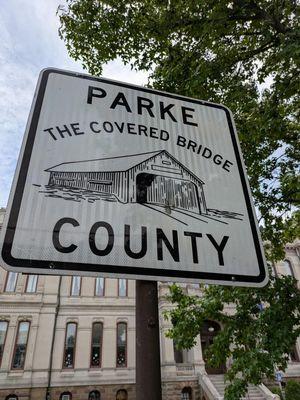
{"points": [[23, 394], [170, 391], [108, 392]]}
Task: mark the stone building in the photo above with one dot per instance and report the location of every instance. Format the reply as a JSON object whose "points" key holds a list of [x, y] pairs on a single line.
{"points": [[72, 338]]}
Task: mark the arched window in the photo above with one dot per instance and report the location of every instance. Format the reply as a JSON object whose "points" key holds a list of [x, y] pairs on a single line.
{"points": [[121, 344], [122, 395], [96, 348], [208, 332], [94, 395], [12, 397], [65, 396], [70, 345], [186, 394], [287, 270]]}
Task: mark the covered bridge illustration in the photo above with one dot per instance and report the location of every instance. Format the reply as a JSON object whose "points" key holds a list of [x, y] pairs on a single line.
{"points": [[153, 178]]}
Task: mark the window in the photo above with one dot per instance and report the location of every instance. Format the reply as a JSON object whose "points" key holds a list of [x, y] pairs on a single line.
{"points": [[186, 394], [94, 395], [178, 354], [209, 331], [287, 268], [121, 344], [122, 287], [70, 344], [11, 281], [31, 283], [294, 355], [195, 285], [75, 287], [3, 331], [65, 396], [122, 395], [99, 287], [96, 350], [20, 345]]}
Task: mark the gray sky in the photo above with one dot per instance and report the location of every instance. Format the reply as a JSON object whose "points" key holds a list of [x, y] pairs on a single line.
{"points": [[29, 43]]}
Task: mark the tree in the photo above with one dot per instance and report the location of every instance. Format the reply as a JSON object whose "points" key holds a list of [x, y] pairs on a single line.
{"points": [[244, 54], [258, 337]]}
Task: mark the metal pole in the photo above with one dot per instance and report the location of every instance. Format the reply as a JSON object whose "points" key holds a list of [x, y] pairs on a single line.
{"points": [[148, 375], [48, 390]]}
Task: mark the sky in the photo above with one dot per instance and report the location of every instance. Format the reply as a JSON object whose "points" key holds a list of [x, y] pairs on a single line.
{"points": [[29, 42]]}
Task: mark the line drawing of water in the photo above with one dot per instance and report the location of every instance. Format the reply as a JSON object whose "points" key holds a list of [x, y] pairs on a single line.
{"points": [[76, 195], [83, 195]]}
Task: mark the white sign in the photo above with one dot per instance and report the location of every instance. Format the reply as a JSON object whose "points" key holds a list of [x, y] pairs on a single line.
{"points": [[126, 181]]}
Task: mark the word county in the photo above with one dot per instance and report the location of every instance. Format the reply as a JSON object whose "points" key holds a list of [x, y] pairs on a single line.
{"points": [[165, 247]]}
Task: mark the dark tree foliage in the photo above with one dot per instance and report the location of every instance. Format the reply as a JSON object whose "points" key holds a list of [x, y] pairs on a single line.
{"points": [[292, 391], [221, 51], [258, 336]]}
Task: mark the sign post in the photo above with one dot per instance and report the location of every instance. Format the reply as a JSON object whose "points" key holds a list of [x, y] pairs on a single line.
{"points": [[148, 372]]}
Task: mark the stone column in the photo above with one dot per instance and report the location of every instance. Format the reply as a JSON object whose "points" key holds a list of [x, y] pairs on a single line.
{"points": [[167, 354], [198, 356], [109, 343]]}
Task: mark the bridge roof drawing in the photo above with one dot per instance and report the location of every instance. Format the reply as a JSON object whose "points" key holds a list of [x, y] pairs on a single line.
{"points": [[121, 163], [112, 164]]}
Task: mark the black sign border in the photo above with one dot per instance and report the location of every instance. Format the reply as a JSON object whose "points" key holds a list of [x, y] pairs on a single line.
{"points": [[60, 267]]}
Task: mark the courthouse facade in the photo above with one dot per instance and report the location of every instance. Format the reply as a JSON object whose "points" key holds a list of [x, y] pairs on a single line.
{"points": [[72, 338]]}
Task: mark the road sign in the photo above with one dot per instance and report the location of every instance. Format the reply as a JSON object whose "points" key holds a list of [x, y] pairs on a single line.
{"points": [[128, 181]]}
